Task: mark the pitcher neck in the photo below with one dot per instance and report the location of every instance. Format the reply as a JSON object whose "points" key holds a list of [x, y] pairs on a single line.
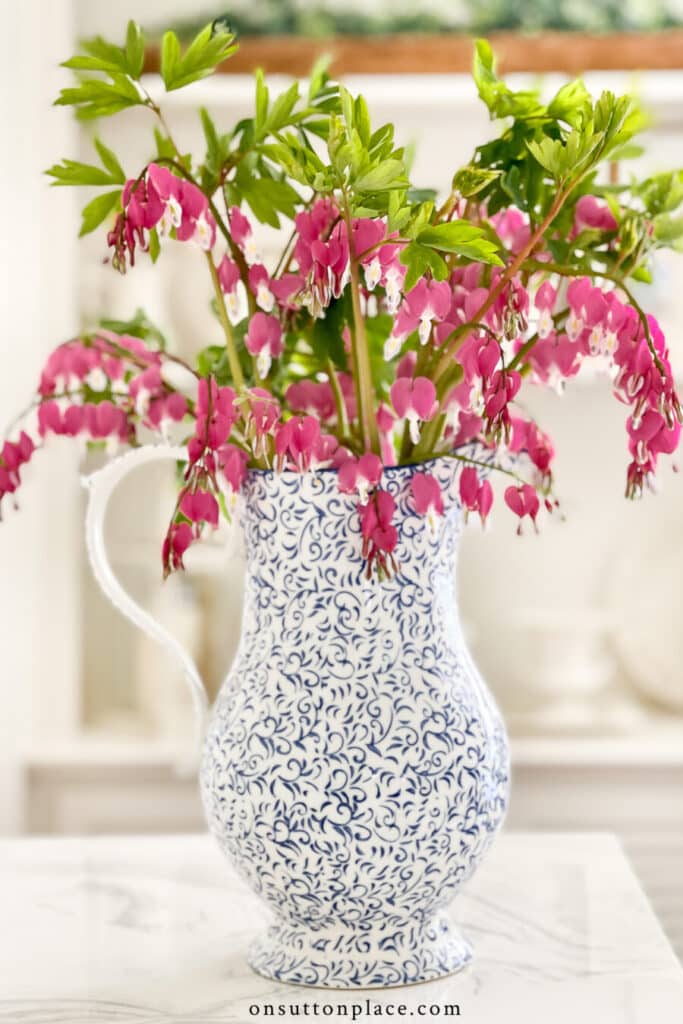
{"points": [[302, 533]]}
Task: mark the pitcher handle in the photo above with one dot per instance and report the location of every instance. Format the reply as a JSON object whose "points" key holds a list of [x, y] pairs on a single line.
{"points": [[101, 485]]}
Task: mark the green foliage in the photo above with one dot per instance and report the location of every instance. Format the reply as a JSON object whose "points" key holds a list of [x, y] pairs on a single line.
{"points": [[432, 241], [326, 336], [419, 259], [470, 180], [99, 55], [121, 66], [365, 164], [662, 193], [94, 97], [138, 326], [217, 151], [209, 48], [498, 97], [318, 140], [543, 147], [462, 238], [94, 212], [377, 330], [72, 172], [212, 361]]}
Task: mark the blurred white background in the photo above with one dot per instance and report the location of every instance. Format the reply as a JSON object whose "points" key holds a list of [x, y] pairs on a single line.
{"points": [[577, 630]]}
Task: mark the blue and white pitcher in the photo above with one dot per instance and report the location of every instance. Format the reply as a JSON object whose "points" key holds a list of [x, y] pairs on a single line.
{"points": [[355, 767]]}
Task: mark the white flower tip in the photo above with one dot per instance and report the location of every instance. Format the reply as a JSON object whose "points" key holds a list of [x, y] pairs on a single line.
{"points": [[97, 379], [263, 362], [373, 273], [424, 330], [265, 298], [392, 346]]}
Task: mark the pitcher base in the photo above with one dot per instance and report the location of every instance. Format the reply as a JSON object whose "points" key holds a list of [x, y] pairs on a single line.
{"points": [[352, 960]]}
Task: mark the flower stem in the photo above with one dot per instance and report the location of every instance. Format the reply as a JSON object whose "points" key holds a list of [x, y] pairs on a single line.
{"points": [[342, 418], [362, 371]]}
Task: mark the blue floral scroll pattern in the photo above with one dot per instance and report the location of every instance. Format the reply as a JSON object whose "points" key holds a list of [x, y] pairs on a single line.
{"points": [[355, 768]]}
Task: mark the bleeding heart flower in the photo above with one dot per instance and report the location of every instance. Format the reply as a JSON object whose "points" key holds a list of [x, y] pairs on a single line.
{"points": [[264, 340], [288, 290], [243, 236], [200, 507], [296, 440], [426, 304], [233, 288], [259, 282], [414, 400], [427, 497], [523, 501], [379, 534], [360, 475], [592, 213], [176, 543], [475, 496], [233, 462]]}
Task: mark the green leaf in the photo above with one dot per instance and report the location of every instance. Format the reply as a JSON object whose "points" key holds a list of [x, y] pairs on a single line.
{"points": [[319, 77], [209, 48], [668, 230], [261, 100], [96, 98], [154, 245], [165, 147], [381, 142], [549, 154], [213, 361], [378, 329], [109, 59], [217, 151], [282, 108], [419, 259], [95, 212], [71, 172], [361, 120], [398, 212], [267, 197], [571, 104], [462, 238], [346, 100], [510, 183], [135, 49], [470, 180], [385, 175], [213, 147], [110, 161], [501, 101], [170, 55], [326, 337]]}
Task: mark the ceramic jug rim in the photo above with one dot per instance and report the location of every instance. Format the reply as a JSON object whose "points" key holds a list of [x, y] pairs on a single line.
{"points": [[335, 469]]}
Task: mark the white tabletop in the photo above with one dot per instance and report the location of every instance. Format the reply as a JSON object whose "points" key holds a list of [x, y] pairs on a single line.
{"points": [[152, 930]]}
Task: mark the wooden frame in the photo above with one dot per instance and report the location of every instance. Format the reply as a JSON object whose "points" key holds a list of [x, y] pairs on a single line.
{"points": [[570, 52]]}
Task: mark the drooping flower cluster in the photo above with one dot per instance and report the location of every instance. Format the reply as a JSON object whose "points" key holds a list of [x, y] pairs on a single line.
{"points": [[106, 388], [160, 200]]}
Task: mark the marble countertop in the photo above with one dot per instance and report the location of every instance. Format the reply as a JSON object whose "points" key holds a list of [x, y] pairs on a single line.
{"points": [[152, 930]]}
